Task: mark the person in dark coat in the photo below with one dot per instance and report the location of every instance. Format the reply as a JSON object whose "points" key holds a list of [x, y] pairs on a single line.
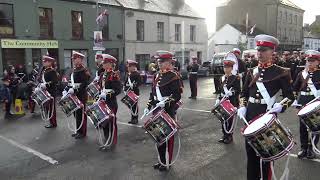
{"points": [[193, 77], [132, 83], [7, 97]]}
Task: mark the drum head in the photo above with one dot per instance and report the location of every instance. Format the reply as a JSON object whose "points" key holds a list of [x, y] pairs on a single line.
{"points": [[309, 108], [258, 124]]}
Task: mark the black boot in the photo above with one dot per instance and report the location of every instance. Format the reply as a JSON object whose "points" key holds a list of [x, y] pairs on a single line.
{"points": [[228, 140], [302, 154], [163, 168], [156, 166], [310, 154]]}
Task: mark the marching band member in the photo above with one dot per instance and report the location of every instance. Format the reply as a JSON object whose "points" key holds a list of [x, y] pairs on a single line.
{"points": [[228, 81], [34, 78], [111, 87], [49, 81], [308, 85], [132, 82], [260, 88], [193, 77], [166, 84], [79, 81]]}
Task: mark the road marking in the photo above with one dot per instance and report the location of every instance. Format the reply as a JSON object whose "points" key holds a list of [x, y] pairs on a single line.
{"points": [[196, 110], [210, 98], [127, 124], [296, 156], [32, 151]]}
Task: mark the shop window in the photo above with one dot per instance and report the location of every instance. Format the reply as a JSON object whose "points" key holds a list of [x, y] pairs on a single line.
{"points": [[36, 57], [6, 20], [13, 57]]}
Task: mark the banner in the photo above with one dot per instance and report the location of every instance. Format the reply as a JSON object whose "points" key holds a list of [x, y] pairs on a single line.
{"points": [[98, 41], [17, 43]]}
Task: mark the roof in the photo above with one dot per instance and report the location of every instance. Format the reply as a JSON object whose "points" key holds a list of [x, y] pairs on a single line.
{"points": [[242, 29], [107, 2], [307, 34], [175, 7], [289, 3]]}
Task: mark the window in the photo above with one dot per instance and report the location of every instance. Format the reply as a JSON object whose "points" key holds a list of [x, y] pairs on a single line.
{"points": [[279, 33], [177, 32], [290, 18], [280, 16], [36, 57], [6, 20], [160, 32], [13, 57], [140, 30], [143, 61], [286, 16], [46, 24], [192, 33], [295, 19], [77, 25], [68, 54], [105, 28]]}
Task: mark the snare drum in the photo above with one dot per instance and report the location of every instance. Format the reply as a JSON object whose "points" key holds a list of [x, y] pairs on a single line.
{"points": [[224, 111], [70, 103], [130, 99], [161, 127], [93, 89], [99, 112], [310, 115], [40, 96], [268, 137]]}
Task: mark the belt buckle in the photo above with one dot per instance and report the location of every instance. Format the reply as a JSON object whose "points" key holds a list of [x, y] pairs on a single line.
{"points": [[257, 101]]}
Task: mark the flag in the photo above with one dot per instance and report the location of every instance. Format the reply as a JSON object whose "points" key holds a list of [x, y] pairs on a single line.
{"points": [[99, 19], [252, 29]]}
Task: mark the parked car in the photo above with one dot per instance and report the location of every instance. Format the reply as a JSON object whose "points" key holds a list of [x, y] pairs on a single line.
{"points": [[217, 63], [205, 69]]}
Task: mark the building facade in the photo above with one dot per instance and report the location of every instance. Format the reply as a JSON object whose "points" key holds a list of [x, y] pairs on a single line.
{"points": [[31, 28], [279, 18], [155, 25]]}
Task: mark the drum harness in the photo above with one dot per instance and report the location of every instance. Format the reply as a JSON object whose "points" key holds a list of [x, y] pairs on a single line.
{"points": [[110, 139], [46, 116], [316, 93], [75, 129], [164, 99]]}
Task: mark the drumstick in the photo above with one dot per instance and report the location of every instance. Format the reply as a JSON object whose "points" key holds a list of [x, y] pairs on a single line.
{"points": [[244, 120]]}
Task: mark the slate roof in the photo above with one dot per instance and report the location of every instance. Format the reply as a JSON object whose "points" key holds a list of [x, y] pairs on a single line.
{"points": [[289, 3], [242, 29]]}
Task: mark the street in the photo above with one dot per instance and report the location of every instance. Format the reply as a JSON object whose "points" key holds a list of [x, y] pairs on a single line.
{"points": [[29, 151]]}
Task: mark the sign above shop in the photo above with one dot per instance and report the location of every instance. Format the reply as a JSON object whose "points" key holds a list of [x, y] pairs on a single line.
{"points": [[17, 43]]}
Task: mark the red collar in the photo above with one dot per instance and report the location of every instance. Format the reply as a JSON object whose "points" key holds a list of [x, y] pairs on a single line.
{"points": [[265, 65]]}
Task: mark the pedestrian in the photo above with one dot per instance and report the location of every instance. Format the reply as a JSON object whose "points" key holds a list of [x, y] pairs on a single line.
{"points": [[111, 87], [230, 85], [132, 83], [49, 82], [306, 87], [165, 93], [7, 97], [79, 81], [259, 94], [193, 77]]}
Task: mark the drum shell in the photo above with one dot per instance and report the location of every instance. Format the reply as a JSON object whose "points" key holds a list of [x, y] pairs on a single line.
{"points": [[224, 111], [311, 119], [41, 97], [93, 89], [270, 142], [165, 122], [107, 114], [130, 99], [69, 104]]}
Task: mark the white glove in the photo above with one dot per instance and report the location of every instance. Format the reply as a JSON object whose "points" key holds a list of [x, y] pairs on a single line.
{"points": [[242, 112], [64, 93], [70, 91], [103, 95], [161, 104], [43, 85], [97, 78], [277, 108], [228, 93], [36, 89], [217, 102], [146, 111], [295, 104]]}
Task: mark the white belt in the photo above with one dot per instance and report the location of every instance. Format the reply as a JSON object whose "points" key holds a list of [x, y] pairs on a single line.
{"points": [[193, 72], [164, 97], [257, 101], [306, 93]]}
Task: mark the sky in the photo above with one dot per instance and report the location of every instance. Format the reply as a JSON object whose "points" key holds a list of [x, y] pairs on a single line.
{"points": [[207, 9]]}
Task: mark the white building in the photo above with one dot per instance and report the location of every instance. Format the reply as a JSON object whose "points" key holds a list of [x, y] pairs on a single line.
{"points": [[231, 36], [152, 25], [311, 42]]}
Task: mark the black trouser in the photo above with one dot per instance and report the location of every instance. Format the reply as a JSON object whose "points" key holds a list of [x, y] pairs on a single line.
{"points": [[217, 83], [227, 125], [134, 113], [8, 106], [111, 128], [304, 137], [81, 117], [253, 160], [193, 84], [163, 147]]}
